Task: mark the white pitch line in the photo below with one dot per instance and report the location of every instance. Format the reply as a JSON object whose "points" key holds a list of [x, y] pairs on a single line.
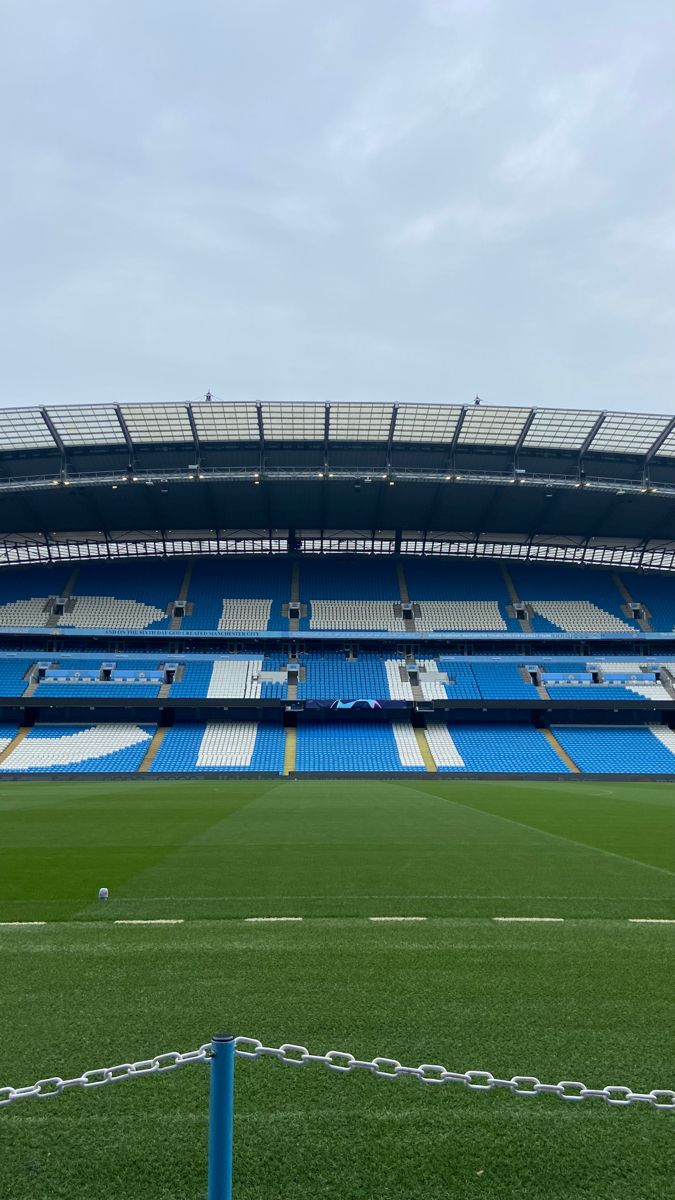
{"points": [[651, 920], [397, 918], [273, 918], [545, 920], [7, 924], [159, 921]]}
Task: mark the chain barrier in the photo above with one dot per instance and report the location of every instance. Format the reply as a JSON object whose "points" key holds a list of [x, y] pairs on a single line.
{"points": [[342, 1063], [161, 1064], [435, 1074]]}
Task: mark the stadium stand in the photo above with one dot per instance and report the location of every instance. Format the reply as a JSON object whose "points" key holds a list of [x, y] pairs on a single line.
{"points": [[123, 595], [145, 604], [241, 595], [221, 746], [84, 749], [13, 671], [655, 594], [73, 677], [492, 749], [604, 680], [625, 749], [329, 675], [353, 747], [344, 599], [570, 600], [502, 681], [235, 676], [7, 734], [25, 593], [332, 676], [459, 596]]}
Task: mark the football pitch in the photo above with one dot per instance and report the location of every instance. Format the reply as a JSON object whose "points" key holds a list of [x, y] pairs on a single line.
{"points": [[586, 997]]}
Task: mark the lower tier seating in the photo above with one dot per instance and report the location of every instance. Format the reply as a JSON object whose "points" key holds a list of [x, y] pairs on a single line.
{"points": [[339, 747], [80, 748], [618, 750], [222, 746], [354, 747], [502, 749]]}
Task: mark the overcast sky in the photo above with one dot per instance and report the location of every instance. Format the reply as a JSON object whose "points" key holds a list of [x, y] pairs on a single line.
{"points": [[367, 199]]}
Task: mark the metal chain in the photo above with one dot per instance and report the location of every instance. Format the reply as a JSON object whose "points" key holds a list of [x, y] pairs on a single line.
{"points": [[342, 1063], [435, 1074], [46, 1089]]}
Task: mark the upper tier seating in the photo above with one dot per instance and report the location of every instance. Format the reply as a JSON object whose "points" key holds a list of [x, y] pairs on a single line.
{"points": [[80, 749], [571, 599], [657, 594], [242, 595], [362, 578], [351, 746], [222, 746], [459, 595], [375, 616], [25, 591], [493, 749], [124, 595], [249, 595], [621, 749], [359, 595]]}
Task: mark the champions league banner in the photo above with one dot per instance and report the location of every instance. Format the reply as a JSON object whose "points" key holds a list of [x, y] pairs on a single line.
{"points": [[354, 704]]}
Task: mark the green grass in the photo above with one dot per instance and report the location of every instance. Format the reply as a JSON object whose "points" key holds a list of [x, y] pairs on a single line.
{"points": [[590, 999]]}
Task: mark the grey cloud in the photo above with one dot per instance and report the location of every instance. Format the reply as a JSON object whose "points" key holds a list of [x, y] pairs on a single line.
{"points": [[292, 200]]}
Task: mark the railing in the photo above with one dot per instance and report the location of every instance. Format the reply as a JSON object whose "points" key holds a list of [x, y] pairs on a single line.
{"points": [[220, 1054]]}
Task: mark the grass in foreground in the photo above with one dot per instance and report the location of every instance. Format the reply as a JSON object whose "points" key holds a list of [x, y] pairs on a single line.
{"points": [[589, 999]]}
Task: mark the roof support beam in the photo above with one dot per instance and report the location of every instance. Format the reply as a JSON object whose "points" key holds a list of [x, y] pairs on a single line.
{"points": [[261, 435], [50, 426], [127, 436], [326, 433], [521, 438], [656, 446], [587, 440], [392, 426], [195, 435], [455, 438]]}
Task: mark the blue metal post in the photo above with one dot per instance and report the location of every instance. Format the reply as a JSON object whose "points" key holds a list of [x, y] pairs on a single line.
{"points": [[221, 1117]]}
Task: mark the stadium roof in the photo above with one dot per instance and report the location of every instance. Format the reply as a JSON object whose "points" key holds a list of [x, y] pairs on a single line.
{"points": [[98, 426], [375, 471]]}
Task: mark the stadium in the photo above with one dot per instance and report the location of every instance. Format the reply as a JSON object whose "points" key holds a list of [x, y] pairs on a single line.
{"points": [[362, 717]]}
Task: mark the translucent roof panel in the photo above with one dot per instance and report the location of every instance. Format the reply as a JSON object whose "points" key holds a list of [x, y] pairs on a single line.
{"points": [[157, 422], [628, 433], [559, 429], [668, 447], [218, 422], [304, 422], [360, 422], [426, 422], [492, 426], [87, 426], [24, 429]]}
